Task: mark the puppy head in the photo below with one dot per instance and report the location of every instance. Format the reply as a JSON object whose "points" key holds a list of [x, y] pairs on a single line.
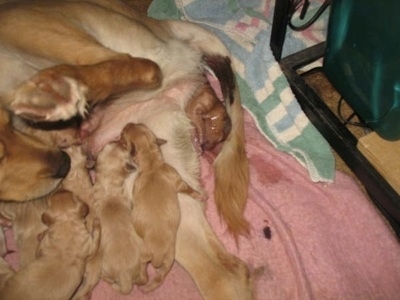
{"points": [[209, 116], [29, 169], [139, 138], [62, 206]]}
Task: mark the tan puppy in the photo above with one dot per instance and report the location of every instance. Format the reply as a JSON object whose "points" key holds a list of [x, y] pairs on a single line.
{"points": [[26, 225], [64, 247], [120, 245], [156, 213]]}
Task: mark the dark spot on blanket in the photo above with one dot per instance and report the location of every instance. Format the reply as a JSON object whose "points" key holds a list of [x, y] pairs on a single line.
{"points": [[267, 232]]}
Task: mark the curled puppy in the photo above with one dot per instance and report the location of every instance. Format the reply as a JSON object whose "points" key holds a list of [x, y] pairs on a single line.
{"points": [[60, 259], [209, 117], [26, 224], [120, 245], [156, 213]]}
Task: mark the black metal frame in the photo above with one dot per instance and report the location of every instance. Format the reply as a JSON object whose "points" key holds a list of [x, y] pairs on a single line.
{"points": [[334, 131]]}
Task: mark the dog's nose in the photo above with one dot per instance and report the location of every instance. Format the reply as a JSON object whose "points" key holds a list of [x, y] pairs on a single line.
{"points": [[64, 166]]}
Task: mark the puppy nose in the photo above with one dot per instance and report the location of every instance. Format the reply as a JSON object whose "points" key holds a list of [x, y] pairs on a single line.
{"points": [[64, 166]]}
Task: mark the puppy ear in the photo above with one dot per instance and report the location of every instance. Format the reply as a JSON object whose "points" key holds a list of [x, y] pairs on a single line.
{"points": [[83, 210], [47, 220], [130, 167], [160, 142]]}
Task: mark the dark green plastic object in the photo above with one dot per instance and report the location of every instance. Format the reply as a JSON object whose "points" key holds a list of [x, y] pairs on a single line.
{"points": [[362, 60]]}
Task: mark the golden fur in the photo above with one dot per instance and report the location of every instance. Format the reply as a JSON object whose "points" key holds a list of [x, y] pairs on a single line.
{"points": [[41, 279], [62, 89], [29, 169], [155, 212], [118, 261]]}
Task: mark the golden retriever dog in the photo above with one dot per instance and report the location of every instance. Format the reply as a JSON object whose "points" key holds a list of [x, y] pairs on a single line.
{"points": [[65, 245], [29, 169], [155, 212], [111, 67]]}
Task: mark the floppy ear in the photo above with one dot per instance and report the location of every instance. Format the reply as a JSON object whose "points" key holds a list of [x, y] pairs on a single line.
{"points": [[160, 142], [47, 220]]}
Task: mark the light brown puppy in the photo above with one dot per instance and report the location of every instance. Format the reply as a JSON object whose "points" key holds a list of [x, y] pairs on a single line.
{"points": [[209, 117], [64, 247], [26, 225], [156, 213], [120, 246]]}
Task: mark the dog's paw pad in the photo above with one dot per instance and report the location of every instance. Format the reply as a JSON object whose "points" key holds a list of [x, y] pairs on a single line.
{"points": [[49, 96]]}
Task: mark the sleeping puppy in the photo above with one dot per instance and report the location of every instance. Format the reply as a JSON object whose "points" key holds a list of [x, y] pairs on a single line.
{"points": [[26, 223], [156, 213], [209, 117], [120, 246], [61, 256]]}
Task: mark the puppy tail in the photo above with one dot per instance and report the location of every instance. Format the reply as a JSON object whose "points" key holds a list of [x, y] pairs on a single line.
{"points": [[232, 174]]}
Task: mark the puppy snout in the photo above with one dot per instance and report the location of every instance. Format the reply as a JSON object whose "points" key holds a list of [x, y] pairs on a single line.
{"points": [[63, 166]]}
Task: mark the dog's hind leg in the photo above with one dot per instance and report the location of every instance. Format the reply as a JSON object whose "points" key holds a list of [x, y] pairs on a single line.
{"points": [[217, 274], [62, 91], [82, 71]]}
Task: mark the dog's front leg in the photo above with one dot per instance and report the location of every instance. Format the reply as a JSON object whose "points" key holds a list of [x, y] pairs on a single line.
{"points": [[217, 274], [63, 91]]}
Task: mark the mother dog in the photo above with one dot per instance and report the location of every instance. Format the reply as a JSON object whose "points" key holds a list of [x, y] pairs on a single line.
{"points": [[65, 58]]}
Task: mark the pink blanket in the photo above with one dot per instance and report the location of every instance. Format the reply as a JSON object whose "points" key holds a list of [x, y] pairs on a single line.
{"points": [[308, 240]]}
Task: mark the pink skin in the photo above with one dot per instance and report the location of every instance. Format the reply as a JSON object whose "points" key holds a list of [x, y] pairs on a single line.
{"points": [[107, 121]]}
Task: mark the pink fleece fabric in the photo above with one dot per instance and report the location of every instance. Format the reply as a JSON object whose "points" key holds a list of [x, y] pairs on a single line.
{"points": [[308, 240]]}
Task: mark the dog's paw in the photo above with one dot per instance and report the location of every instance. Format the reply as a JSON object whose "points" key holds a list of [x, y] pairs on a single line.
{"points": [[49, 96]]}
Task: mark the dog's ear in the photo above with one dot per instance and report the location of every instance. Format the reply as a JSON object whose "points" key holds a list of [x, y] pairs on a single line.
{"points": [[132, 151], [2, 150], [83, 210], [160, 142], [47, 219], [130, 167]]}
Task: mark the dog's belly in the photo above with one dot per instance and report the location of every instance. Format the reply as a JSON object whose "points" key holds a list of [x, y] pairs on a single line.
{"points": [[160, 113]]}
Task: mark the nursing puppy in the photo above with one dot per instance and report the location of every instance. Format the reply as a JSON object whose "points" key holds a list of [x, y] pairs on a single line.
{"points": [[120, 246], [61, 256], [25, 218], [156, 213]]}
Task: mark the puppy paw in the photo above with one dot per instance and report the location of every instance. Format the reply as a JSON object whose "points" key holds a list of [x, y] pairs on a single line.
{"points": [[49, 96]]}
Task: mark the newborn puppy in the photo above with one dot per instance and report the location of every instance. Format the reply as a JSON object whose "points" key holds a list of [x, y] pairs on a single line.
{"points": [[156, 213], [60, 259], [209, 116], [120, 245], [26, 225]]}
